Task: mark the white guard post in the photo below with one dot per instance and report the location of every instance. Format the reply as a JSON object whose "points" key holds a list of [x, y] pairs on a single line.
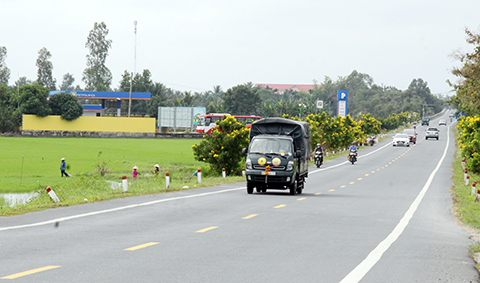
{"points": [[52, 194], [125, 184]]}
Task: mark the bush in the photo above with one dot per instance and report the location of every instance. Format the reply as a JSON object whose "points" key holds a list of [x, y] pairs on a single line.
{"points": [[223, 147], [469, 140]]}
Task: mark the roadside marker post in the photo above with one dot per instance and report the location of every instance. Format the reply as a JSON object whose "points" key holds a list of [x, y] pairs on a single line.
{"points": [[478, 196], [243, 172], [474, 188], [199, 176], [52, 195], [224, 174], [465, 175], [467, 181], [167, 180], [125, 184]]}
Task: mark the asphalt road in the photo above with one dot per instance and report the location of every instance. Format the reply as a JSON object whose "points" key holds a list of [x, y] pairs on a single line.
{"points": [[385, 219]]}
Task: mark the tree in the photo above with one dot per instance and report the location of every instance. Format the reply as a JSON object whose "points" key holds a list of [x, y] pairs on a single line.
{"points": [[45, 69], [67, 82], [66, 105], [4, 71], [467, 97], [22, 81], [223, 147], [97, 76], [10, 117], [33, 100], [242, 99]]}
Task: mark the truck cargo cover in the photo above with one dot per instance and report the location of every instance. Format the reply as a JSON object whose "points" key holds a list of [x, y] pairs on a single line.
{"points": [[298, 130]]}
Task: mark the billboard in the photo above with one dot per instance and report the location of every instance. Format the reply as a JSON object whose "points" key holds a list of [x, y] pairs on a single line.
{"points": [[179, 117]]}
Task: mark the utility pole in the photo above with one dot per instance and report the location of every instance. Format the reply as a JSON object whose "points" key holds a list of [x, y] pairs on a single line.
{"points": [[134, 69]]}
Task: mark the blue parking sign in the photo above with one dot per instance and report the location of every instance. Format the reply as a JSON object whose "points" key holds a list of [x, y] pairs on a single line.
{"points": [[342, 103]]}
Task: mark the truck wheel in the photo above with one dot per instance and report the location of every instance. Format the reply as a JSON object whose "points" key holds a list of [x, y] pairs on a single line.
{"points": [[299, 189], [293, 188], [249, 189]]}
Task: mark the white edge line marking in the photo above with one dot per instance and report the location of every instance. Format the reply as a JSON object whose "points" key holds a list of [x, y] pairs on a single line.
{"points": [[374, 256], [114, 209]]}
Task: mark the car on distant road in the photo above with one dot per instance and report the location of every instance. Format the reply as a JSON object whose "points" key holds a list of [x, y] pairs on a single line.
{"points": [[425, 121], [412, 135], [442, 122], [431, 133], [401, 139]]}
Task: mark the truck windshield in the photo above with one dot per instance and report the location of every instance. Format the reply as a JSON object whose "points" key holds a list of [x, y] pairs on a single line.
{"points": [[271, 146]]}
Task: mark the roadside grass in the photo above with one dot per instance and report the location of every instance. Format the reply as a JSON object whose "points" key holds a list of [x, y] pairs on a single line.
{"points": [[74, 191], [464, 205]]}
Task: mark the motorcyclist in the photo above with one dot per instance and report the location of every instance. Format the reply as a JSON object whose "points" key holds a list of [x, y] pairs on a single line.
{"points": [[352, 147], [319, 148]]}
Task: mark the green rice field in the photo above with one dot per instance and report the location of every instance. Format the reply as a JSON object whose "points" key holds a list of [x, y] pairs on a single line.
{"points": [[28, 164]]}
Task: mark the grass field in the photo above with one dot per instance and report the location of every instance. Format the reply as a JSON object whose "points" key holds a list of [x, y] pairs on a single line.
{"points": [[29, 163]]}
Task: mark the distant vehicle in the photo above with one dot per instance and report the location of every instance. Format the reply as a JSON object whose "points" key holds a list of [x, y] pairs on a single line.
{"points": [[412, 135], [401, 139], [442, 122], [425, 121], [206, 123], [431, 133]]}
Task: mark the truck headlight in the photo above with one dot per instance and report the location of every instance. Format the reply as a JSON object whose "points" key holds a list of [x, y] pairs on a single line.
{"points": [[249, 163], [290, 165]]}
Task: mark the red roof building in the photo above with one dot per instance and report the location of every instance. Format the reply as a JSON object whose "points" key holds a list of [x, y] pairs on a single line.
{"points": [[283, 87]]}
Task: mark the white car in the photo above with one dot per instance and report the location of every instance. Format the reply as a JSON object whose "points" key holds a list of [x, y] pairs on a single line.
{"points": [[401, 139], [442, 122]]}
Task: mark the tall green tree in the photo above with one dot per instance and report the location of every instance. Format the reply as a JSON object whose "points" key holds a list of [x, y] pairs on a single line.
{"points": [[97, 76], [67, 82], [33, 100], [10, 117], [4, 71], [242, 99], [467, 97], [45, 69], [22, 81]]}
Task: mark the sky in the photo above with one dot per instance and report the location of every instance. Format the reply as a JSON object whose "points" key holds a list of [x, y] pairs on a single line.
{"points": [[194, 45]]}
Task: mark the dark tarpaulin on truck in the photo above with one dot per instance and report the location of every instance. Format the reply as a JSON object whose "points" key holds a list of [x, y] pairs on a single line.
{"points": [[298, 130]]}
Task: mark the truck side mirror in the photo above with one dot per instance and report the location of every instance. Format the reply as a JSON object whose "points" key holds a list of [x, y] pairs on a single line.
{"points": [[297, 154], [244, 151]]}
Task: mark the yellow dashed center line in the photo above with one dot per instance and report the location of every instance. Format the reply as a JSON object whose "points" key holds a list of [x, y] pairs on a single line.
{"points": [[372, 172], [351, 183], [301, 198], [343, 186], [332, 190], [29, 272], [250, 216], [317, 194], [206, 229], [366, 175], [142, 246], [280, 206], [359, 179]]}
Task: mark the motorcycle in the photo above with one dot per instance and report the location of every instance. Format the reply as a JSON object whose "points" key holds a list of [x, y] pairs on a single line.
{"points": [[352, 156], [371, 141], [318, 158]]}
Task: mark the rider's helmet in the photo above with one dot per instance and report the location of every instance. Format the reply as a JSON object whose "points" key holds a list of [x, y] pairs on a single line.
{"points": [[318, 144]]}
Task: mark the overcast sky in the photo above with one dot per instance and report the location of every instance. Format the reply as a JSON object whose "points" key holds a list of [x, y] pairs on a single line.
{"points": [[197, 44]]}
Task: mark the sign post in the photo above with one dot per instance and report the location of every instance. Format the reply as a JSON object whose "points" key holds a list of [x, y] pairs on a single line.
{"points": [[342, 103]]}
